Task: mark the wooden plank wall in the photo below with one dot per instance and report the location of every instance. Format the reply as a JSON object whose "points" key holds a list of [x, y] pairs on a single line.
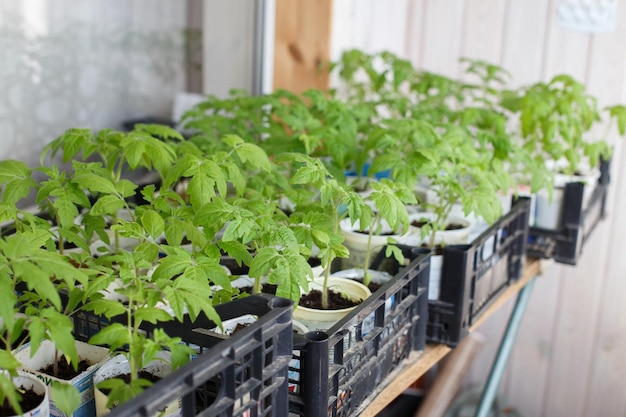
{"points": [[568, 359], [302, 44]]}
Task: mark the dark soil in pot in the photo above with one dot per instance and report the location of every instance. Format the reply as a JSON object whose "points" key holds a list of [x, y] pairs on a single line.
{"points": [[373, 287], [66, 371], [336, 300], [29, 401], [126, 378], [366, 232], [313, 299], [451, 226], [233, 267], [314, 261], [437, 250], [265, 289]]}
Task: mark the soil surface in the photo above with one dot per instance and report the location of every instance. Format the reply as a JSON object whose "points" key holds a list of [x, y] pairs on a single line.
{"points": [[66, 371], [30, 400], [451, 226], [366, 232], [437, 250], [265, 289], [126, 378], [373, 287], [314, 261], [313, 299], [336, 300]]}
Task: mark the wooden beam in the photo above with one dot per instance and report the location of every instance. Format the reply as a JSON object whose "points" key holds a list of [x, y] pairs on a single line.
{"points": [[302, 44]]}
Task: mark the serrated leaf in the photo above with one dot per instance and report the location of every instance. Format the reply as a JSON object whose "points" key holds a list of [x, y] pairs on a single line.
{"points": [[66, 210], [263, 262], [11, 169], [125, 188], [94, 182], [171, 266], [232, 140], [173, 234], [256, 156], [321, 236], [151, 315], [14, 191], [60, 328], [106, 307], [114, 335], [38, 280], [108, 204], [153, 223], [200, 190]]}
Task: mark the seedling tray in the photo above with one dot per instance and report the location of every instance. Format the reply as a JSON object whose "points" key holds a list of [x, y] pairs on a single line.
{"points": [[336, 370], [474, 275], [243, 375], [565, 245]]}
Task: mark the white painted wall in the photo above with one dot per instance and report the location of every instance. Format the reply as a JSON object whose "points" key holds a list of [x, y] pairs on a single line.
{"points": [[228, 35]]}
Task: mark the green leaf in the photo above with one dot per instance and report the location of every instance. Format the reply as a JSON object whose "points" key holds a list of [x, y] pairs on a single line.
{"points": [[8, 361], [249, 152], [66, 210], [134, 148], [108, 204], [201, 190], [106, 307], [65, 396], [171, 266], [59, 266], [9, 392], [125, 188], [25, 243], [60, 328], [16, 177], [321, 237], [263, 262], [37, 279], [11, 169], [237, 250], [173, 234], [14, 191], [396, 252], [151, 315], [114, 335], [232, 140], [94, 182], [159, 130], [153, 223], [189, 292]]}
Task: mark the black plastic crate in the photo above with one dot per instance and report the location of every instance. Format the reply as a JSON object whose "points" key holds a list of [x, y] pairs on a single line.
{"points": [[339, 368], [473, 275], [245, 374], [565, 244]]}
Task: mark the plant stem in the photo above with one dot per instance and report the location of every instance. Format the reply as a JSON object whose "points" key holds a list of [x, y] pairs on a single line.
{"points": [[368, 252], [256, 287], [327, 267], [55, 365]]}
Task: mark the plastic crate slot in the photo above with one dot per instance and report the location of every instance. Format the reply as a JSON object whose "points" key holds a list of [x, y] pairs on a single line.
{"points": [[366, 345], [474, 274], [565, 245]]}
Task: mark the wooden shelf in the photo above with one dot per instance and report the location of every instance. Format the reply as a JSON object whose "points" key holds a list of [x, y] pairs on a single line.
{"points": [[418, 363]]}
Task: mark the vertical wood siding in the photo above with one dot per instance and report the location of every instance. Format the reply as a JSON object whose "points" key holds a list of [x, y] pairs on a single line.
{"points": [[568, 359]]}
